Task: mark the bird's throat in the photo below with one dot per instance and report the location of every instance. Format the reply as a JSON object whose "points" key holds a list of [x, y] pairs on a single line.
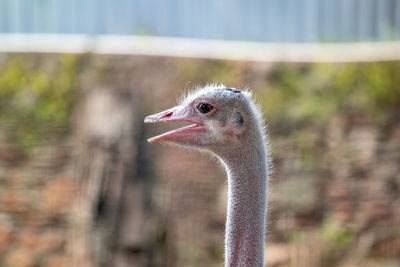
{"points": [[247, 200]]}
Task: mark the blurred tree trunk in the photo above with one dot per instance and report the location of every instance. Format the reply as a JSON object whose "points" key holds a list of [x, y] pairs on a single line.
{"points": [[114, 223]]}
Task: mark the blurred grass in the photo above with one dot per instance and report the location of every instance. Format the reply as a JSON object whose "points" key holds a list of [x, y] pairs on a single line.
{"points": [[36, 98], [328, 243], [313, 94]]}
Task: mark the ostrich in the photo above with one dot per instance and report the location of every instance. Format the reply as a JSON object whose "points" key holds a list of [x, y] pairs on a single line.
{"points": [[228, 124]]}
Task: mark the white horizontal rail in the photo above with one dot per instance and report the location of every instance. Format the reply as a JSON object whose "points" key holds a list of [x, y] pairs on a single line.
{"points": [[199, 48]]}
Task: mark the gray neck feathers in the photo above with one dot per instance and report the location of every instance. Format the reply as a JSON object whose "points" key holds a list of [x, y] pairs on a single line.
{"points": [[247, 201]]}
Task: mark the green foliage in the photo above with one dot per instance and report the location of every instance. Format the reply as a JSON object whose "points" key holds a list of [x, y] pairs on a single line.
{"points": [[333, 234], [330, 242], [315, 93], [296, 237], [36, 97], [337, 234]]}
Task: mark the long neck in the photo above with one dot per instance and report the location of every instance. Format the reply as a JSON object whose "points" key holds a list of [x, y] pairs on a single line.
{"points": [[247, 200]]}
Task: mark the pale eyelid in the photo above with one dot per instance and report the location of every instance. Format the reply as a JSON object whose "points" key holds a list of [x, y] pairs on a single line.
{"points": [[199, 101]]}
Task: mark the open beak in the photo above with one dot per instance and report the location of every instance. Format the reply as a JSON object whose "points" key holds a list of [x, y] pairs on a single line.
{"points": [[189, 135]]}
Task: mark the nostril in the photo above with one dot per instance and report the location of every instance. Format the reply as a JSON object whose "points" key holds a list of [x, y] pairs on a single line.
{"points": [[167, 115]]}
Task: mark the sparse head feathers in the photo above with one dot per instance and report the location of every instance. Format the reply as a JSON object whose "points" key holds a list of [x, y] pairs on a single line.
{"points": [[219, 92], [243, 98]]}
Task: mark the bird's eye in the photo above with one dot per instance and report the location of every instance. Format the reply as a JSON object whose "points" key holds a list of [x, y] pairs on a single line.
{"points": [[204, 107]]}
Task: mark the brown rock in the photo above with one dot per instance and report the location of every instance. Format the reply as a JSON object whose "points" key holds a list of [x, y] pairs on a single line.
{"points": [[277, 255], [28, 239], [20, 258], [14, 201], [50, 240], [5, 236], [57, 261], [41, 242], [58, 195], [35, 219]]}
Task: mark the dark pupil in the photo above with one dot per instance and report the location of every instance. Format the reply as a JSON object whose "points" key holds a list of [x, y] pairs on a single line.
{"points": [[205, 108]]}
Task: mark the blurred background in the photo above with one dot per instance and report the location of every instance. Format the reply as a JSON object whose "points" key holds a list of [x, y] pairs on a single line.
{"points": [[80, 186]]}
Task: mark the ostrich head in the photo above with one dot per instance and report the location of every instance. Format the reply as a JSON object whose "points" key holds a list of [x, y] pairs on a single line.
{"points": [[223, 118]]}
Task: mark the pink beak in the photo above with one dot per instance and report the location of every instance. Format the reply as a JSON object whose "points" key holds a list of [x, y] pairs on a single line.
{"points": [[189, 135]]}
